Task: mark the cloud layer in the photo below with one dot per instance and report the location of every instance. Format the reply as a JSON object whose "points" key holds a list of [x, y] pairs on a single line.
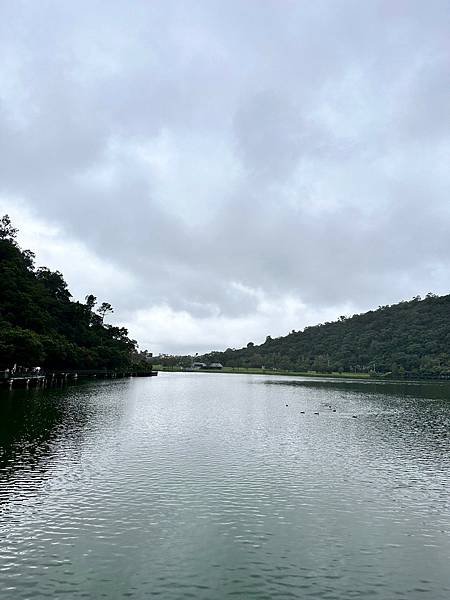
{"points": [[220, 171]]}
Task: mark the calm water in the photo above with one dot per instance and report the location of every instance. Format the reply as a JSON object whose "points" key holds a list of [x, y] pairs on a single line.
{"points": [[208, 486]]}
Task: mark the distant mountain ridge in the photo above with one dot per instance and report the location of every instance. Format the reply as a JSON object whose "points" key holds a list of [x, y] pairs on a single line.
{"points": [[408, 338]]}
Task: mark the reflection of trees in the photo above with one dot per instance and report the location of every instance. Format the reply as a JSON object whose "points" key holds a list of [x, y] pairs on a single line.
{"points": [[422, 390], [415, 415], [30, 423], [39, 426]]}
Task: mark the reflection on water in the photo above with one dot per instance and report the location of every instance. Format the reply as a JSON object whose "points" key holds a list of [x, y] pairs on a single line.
{"points": [[213, 486], [436, 390]]}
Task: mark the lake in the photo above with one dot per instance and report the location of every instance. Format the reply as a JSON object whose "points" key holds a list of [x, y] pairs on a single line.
{"points": [[215, 486]]}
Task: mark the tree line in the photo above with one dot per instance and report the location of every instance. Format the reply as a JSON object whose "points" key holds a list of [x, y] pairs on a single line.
{"points": [[411, 338], [41, 325]]}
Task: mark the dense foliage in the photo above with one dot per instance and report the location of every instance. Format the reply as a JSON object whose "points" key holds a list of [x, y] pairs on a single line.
{"points": [[409, 338], [41, 325]]}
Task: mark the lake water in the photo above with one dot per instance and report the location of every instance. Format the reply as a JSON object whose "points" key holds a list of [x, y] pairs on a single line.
{"points": [[208, 486]]}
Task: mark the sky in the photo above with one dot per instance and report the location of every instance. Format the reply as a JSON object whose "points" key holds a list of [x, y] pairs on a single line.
{"points": [[220, 171]]}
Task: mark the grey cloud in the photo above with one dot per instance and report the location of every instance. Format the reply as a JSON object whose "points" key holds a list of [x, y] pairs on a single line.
{"points": [[269, 135], [331, 116]]}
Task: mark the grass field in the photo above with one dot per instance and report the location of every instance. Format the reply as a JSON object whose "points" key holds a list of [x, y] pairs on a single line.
{"points": [[268, 372]]}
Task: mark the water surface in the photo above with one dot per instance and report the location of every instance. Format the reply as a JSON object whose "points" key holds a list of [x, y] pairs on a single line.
{"points": [[208, 486]]}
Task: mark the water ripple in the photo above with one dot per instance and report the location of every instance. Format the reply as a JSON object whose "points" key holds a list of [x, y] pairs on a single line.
{"points": [[209, 486]]}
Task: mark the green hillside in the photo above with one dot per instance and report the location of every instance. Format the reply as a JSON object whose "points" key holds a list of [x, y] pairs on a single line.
{"points": [[41, 326], [409, 338]]}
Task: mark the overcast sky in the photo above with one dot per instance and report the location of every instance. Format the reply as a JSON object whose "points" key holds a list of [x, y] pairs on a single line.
{"points": [[224, 170]]}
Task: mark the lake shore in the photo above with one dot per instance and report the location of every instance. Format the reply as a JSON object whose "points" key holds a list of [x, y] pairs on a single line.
{"points": [[256, 371]]}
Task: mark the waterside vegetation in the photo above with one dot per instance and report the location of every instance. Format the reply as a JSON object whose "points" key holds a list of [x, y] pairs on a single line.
{"points": [[408, 339], [262, 371], [40, 324]]}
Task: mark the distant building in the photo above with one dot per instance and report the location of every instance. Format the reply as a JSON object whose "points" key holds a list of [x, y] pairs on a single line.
{"points": [[216, 366], [199, 365]]}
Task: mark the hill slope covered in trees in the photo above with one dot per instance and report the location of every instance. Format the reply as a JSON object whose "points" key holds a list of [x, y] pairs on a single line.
{"points": [[412, 337], [41, 325]]}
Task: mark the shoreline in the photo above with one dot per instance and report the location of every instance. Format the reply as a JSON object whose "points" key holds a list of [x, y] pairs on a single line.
{"points": [[49, 377], [256, 371], [376, 378]]}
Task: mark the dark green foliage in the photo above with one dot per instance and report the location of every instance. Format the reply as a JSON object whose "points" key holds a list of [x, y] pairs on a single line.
{"points": [[169, 360], [410, 338], [40, 325]]}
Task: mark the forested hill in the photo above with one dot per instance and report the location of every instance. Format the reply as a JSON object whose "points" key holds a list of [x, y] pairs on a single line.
{"points": [[41, 326], [411, 337]]}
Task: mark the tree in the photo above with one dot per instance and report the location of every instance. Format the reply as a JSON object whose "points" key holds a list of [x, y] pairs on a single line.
{"points": [[41, 325], [54, 282], [410, 338], [7, 231], [105, 307], [20, 346], [91, 301]]}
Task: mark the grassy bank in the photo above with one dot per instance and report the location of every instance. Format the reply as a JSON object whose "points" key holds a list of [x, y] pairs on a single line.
{"points": [[256, 371]]}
